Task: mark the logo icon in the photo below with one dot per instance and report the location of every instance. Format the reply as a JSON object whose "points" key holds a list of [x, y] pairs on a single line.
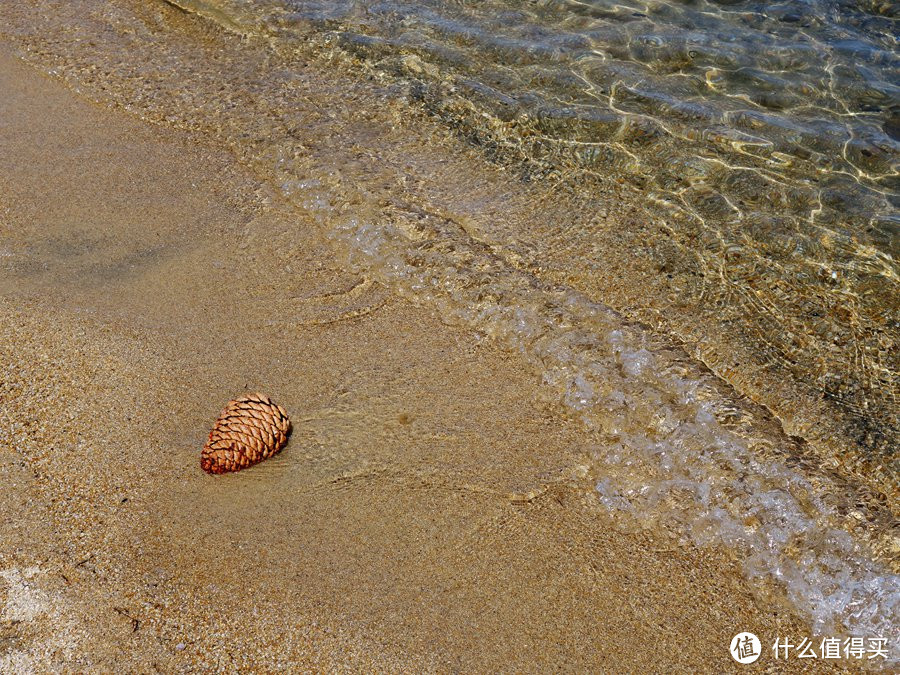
{"points": [[745, 648]]}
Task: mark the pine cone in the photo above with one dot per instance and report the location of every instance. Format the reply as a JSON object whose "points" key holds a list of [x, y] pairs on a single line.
{"points": [[249, 430]]}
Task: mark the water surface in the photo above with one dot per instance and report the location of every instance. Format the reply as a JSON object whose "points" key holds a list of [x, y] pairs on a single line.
{"points": [[760, 144]]}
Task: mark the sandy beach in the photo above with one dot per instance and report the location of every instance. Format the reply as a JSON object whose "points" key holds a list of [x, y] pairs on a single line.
{"points": [[430, 512]]}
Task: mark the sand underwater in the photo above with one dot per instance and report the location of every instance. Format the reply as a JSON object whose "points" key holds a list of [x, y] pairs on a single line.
{"points": [[442, 504]]}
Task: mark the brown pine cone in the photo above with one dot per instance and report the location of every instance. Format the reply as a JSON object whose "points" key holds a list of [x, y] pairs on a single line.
{"points": [[249, 430]]}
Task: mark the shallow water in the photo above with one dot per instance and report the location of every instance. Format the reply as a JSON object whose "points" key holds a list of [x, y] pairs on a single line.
{"points": [[687, 215], [762, 137]]}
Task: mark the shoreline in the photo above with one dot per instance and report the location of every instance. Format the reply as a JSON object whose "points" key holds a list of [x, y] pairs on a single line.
{"points": [[429, 509], [844, 416]]}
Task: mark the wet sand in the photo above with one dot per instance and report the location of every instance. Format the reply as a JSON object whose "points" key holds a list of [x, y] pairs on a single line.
{"points": [[431, 510]]}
